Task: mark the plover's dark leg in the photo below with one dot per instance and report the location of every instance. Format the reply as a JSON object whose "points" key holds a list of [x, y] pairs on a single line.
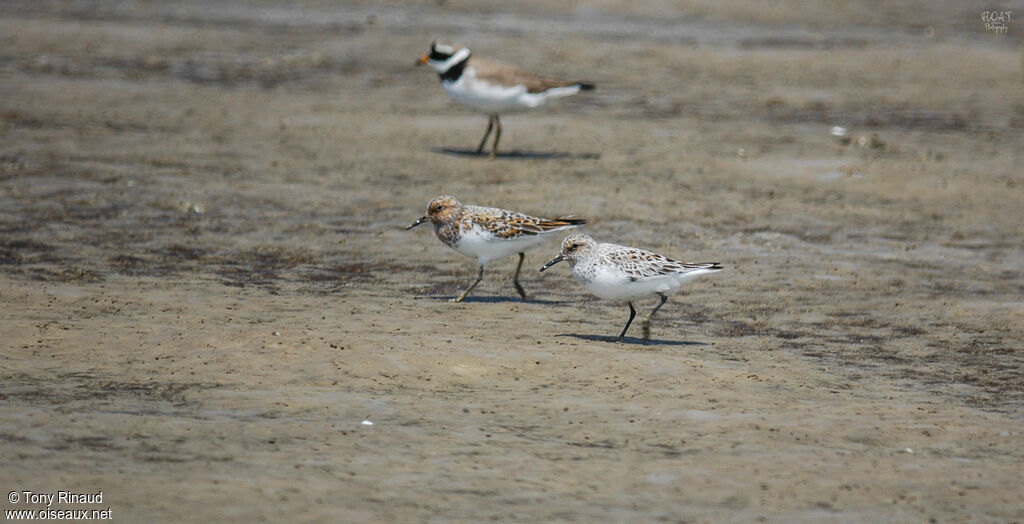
{"points": [[497, 136], [647, 321], [515, 279], [490, 124], [632, 313], [479, 277]]}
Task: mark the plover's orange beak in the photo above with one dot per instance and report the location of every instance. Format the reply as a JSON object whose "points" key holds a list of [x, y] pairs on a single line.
{"points": [[423, 59], [552, 262]]}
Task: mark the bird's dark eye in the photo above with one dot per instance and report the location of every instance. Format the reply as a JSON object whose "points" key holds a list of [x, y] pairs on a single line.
{"points": [[573, 247], [438, 208]]}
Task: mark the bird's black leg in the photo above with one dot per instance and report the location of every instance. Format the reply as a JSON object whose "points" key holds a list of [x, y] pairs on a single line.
{"points": [[497, 136], [632, 313], [490, 124], [479, 277], [515, 279], [647, 321]]}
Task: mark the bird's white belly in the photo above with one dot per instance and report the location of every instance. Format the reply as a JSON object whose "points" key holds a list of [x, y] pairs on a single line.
{"points": [[491, 98], [486, 247], [616, 285]]}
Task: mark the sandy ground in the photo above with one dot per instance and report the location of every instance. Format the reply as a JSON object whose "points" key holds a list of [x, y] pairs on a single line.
{"points": [[206, 287]]}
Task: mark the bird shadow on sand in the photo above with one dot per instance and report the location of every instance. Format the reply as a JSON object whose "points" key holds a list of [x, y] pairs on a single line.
{"points": [[492, 300], [519, 155], [633, 340]]}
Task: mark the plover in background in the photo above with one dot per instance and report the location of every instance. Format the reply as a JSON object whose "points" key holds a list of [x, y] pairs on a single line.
{"points": [[493, 87], [489, 233], [625, 274]]}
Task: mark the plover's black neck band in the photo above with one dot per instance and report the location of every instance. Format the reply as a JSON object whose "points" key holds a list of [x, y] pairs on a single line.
{"points": [[454, 72]]}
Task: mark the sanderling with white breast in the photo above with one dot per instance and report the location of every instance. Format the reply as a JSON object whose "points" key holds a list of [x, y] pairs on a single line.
{"points": [[626, 274], [489, 233]]}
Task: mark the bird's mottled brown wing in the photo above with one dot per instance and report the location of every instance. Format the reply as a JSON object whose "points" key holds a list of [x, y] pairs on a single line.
{"points": [[496, 72], [510, 224]]}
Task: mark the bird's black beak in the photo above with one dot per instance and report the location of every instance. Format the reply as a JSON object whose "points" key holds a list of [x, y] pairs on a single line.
{"points": [[552, 262], [418, 221]]}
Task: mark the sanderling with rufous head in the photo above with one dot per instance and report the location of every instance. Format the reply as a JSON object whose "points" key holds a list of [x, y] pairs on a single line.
{"points": [[489, 233]]}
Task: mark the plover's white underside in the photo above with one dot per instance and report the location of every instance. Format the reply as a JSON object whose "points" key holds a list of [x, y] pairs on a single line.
{"points": [[493, 87]]}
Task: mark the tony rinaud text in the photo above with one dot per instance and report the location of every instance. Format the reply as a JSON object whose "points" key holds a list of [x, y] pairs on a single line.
{"points": [[61, 497]]}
